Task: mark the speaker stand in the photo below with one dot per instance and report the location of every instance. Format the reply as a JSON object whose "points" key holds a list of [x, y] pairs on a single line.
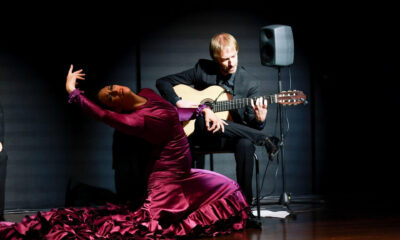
{"points": [[285, 197]]}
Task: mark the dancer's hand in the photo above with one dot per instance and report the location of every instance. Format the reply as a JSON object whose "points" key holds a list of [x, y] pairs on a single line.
{"points": [[217, 123], [260, 108], [1, 147], [71, 83]]}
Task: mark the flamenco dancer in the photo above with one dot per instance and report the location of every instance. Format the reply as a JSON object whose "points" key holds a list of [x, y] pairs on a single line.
{"points": [[180, 201]]}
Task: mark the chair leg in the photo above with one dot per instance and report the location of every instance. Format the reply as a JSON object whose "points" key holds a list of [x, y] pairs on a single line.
{"points": [[257, 186]]}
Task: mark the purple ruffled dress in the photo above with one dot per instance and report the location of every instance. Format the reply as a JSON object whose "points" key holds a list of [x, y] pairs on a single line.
{"points": [[180, 201]]}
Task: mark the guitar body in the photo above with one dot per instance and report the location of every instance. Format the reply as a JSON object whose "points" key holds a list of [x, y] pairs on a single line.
{"points": [[222, 102], [204, 96]]}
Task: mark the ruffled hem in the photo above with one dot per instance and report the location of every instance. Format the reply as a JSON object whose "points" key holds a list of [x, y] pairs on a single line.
{"points": [[118, 222], [219, 217]]}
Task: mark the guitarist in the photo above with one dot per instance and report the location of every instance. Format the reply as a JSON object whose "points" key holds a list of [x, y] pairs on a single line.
{"points": [[239, 135]]}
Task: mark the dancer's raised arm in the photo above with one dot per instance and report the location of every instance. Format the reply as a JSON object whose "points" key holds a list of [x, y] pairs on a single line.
{"points": [[116, 99], [71, 82]]}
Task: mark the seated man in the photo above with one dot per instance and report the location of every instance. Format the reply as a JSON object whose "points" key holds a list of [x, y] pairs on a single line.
{"points": [[246, 122]]}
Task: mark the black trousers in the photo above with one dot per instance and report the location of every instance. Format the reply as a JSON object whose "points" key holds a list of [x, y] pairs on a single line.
{"points": [[237, 138]]}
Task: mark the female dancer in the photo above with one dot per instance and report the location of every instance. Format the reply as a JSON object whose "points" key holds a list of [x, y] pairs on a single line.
{"points": [[180, 201]]}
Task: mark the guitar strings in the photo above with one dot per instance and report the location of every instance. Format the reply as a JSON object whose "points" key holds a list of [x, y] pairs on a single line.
{"points": [[236, 103]]}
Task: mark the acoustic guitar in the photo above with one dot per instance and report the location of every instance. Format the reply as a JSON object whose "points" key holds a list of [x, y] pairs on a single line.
{"points": [[221, 101]]}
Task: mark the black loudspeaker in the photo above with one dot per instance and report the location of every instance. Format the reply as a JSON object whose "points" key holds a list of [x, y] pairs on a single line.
{"points": [[276, 45]]}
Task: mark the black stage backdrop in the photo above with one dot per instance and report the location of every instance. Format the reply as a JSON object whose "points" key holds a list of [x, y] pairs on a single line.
{"points": [[341, 145]]}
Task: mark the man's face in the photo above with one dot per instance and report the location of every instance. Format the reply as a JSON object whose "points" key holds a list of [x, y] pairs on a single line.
{"points": [[228, 60]]}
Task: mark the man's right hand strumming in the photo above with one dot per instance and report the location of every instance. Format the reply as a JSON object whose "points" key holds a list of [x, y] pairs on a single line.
{"points": [[216, 123]]}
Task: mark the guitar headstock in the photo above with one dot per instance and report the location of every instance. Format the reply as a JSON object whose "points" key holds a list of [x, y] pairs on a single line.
{"points": [[291, 97]]}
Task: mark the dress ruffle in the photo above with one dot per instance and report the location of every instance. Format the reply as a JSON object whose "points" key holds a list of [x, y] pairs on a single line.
{"points": [[221, 216]]}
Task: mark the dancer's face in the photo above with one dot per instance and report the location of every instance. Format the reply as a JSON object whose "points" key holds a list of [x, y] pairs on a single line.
{"points": [[228, 60], [114, 96]]}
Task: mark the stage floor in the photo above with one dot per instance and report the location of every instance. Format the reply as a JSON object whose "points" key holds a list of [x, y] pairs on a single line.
{"points": [[316, 221], [312, 221]]}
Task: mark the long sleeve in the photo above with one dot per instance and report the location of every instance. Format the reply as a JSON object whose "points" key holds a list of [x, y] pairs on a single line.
{"points": [[249, 114], [131, 123], [186, 114], [246, 86], [165, 84]]}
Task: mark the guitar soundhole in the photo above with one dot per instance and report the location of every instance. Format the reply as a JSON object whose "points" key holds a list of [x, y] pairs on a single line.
{"points": [[207, 101]]}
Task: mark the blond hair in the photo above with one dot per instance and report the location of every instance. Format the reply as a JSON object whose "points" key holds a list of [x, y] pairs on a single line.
{"points": [[219, 42]]}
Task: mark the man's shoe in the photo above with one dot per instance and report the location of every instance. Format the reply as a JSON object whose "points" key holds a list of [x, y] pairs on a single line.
{"points": [[272, 146], [253, 222]]}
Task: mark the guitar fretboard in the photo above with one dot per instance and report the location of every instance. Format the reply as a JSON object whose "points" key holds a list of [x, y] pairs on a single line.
{"points": [[239, 103]]}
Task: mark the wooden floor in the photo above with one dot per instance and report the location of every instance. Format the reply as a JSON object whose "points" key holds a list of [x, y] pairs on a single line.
{"points": [[317, 222], [313, 221]]}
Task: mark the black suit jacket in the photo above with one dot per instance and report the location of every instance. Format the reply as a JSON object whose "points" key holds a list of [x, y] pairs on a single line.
{"points": [[206, 73]]}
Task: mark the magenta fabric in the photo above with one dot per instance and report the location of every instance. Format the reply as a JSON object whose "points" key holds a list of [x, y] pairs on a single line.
{"points": [[180, 201]]}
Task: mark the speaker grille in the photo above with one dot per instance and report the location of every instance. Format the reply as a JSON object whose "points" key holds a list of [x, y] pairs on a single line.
{"points": [[276, 45]]}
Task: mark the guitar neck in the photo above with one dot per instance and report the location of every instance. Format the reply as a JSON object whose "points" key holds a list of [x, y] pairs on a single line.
{"points": [[221, 106]]}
